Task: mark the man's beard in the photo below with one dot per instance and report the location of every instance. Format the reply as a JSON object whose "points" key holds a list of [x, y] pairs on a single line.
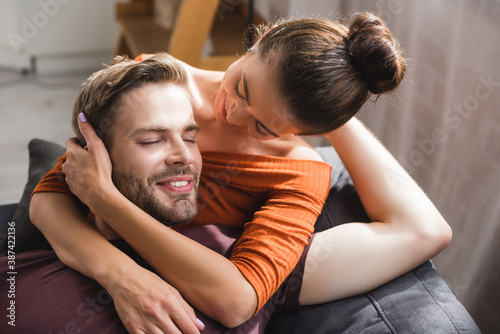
{"points": [[142, 194]]}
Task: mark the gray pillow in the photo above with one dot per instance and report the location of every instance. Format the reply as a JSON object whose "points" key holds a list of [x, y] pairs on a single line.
{"points": [[43, 156]]}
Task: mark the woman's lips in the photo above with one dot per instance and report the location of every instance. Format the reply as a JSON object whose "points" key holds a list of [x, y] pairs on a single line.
{"points": [[223, 110]]}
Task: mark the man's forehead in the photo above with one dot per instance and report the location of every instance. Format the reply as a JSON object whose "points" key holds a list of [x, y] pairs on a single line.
{"points": [[151, 91], [155, 106]]}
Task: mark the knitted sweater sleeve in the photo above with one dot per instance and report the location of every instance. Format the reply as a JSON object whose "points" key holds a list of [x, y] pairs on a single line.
{"points": [[55, 180], [273, 241]]}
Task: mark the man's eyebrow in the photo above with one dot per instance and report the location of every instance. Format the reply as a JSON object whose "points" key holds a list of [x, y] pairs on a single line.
{"points": [[245, 88], [267, 130], [147, 129], [139, 131], [192, 127]]}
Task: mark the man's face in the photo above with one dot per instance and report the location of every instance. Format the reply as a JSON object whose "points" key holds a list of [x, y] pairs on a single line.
{"points": [[156, 161]]}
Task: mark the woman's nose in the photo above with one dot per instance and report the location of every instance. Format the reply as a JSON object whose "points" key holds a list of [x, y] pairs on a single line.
{"points": [[237, 114]]}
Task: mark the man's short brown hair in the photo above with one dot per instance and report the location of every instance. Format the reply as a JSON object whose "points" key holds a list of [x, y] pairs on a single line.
{"points": [[101, 94]]}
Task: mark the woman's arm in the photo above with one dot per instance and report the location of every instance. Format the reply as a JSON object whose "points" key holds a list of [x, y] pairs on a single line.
{"points": [[208, 280], [142, 299], [265, 254], [205, 278], [406, 228]]}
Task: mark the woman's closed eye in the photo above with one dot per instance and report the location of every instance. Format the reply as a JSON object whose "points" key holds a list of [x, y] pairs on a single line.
{"points": [[237, 92], [258, 129]]}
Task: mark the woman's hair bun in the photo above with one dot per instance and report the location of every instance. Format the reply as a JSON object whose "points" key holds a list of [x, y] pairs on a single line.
{"points": [[375, 53]]}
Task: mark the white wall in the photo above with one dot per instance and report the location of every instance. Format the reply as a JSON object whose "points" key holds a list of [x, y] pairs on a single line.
{"points": [[62, 35], [271, 9]]}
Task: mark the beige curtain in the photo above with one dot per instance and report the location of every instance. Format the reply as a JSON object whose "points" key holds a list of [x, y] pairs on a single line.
{"points": [[443, 125]]}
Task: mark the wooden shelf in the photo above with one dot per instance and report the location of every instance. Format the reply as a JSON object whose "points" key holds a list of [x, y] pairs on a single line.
{"points": [[142, 35], [196, 22]]}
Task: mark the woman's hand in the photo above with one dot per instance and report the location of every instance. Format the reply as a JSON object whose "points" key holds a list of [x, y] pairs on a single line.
{"points": [[147, 304], [88, 170]]}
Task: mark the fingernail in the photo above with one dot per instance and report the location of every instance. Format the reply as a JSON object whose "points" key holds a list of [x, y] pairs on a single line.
{"points": [[82, 117], [200, 322]]}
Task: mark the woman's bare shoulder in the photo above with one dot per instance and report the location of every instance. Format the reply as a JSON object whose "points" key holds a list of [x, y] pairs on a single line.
{"points": [[294, 147], [304, 153]]}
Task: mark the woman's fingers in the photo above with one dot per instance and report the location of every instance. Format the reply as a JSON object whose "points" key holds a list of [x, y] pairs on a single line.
{"points": [[93, 141], [174, 312], [72, 144], [189, 310], [144, 302], [88, 170]]}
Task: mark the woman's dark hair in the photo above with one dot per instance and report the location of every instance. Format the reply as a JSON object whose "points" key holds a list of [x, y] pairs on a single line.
{"points": [[326, 70]]}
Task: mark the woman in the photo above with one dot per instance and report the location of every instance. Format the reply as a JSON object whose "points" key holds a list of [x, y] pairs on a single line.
{"points": [[301, 77]]}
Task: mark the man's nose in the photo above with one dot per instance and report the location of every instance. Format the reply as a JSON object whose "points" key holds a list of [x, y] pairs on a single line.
{"points": [[178, 153]]}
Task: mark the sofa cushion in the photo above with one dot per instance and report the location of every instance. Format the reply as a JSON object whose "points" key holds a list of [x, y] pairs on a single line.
{"points": [[6, 213], [43, 156]]}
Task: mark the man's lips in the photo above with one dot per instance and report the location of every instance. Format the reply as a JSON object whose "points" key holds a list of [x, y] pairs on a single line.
{"points": [[179, 184]]}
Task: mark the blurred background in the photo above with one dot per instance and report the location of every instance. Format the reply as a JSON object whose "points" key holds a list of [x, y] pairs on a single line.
{"points": [[443, 124]]}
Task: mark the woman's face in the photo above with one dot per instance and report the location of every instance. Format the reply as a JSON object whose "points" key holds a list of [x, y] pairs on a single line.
{"points": [[248, 99]]}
